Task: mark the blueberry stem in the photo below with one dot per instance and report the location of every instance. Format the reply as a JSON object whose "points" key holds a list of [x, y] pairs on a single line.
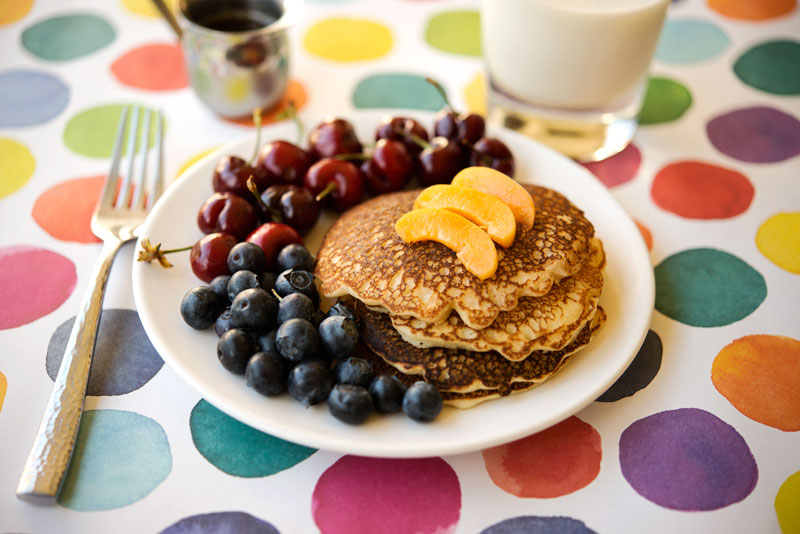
{"points": [[280, 298]]}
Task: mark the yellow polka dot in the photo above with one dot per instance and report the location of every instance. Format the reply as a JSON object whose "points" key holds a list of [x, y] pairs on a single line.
{"points": [[194, 159], [786, 504], [347, 39], [13, 10], [16, 166], [779, 240], [146, 8], [237, 89], [3, 388], [475, 95]]}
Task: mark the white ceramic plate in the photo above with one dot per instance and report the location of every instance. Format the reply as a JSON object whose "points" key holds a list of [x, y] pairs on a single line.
{"points": [[627, 298]]}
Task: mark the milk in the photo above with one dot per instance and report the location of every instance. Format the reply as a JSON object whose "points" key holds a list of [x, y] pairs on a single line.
{"points": [[573, 54]]}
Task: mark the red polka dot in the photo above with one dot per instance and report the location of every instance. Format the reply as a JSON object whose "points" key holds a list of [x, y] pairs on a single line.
{"points": [[554, 462], [698, 190], [65, 210], [619, 168], [155, 67], [33, 283], [647, 235], [378, 495]]}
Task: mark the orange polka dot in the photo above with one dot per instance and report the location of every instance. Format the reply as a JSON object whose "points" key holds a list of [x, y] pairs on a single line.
{"points": [[13, 10], [295, 92], [65, 210], [155, 67], [646, 234], [760, 376], [752, 9]]}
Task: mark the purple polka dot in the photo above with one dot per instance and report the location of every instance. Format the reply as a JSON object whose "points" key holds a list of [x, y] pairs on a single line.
{"points": [[538, 525], [687, 459], [221, 523], [619, 168], [755, 135]]}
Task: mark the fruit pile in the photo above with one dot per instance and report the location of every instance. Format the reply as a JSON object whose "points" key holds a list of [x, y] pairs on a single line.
{"points": [[272, 330]]}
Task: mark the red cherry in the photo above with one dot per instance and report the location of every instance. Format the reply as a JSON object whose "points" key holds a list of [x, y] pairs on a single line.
{"points": [[389, 168], [282, 162], [272, 237], [441, 161], [491, 152], [407, 131], [209, 256], [228, 213], [231, 175], [348, 180], [333, 137], [292, 205]]}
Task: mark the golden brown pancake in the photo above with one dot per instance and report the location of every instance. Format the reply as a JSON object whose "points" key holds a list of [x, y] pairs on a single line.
{"points": [[362, 255]]}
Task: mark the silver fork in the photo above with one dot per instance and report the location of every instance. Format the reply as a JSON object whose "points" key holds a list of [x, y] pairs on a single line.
{"points": [[115, 223]]}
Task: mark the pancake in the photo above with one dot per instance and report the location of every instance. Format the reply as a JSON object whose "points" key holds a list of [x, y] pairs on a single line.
{"points": [[459, 370], [362, 255], [549, 322]]}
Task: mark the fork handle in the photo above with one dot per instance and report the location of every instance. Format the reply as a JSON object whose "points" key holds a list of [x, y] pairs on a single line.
{"points": [[45, 469]]}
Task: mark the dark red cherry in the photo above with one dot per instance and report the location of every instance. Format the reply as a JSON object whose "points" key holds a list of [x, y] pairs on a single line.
{"points": [[333, 137], [231, 175], [491, 152], [389, 168], [228, 213], [440, 161], [293, 205], [272, 237], [404, 130], [464, 127], [347, 180], [282, 162], [209, 256]]}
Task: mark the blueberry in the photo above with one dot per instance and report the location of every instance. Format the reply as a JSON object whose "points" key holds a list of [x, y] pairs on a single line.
{"points": [[317, 317], [266, 373], [350, 404], [422, 402], [296, 281], [310, 382], [297, 340], [223, 323], [266, 342], [387, 393], [340, 309], [356, 371], [219, 285], [254, 310], [295, 306], [234, 349], [294, 256], [338, 336], [200, 307], [240, 281], [246, 256]]}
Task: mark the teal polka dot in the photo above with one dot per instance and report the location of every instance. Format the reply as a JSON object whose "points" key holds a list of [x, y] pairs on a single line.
{"points": [[773, 67], [666, 100], [67, 37], [396, 91], [238, 449], [456, 32], [707, 287], [119, 458], [690, 41]]}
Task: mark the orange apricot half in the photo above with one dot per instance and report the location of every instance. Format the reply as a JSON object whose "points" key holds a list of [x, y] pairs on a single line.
{"points": [[485, 210], [503, 187], [472, 245]]}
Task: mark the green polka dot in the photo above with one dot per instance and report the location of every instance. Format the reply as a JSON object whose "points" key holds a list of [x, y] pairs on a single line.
{"points": [[238, 449], [396, 91], [666, 100], [67, 37], [92, 132], [773, 67], [348, 39], [119, 458], [457, 32], [16, 166], [707, 287]]}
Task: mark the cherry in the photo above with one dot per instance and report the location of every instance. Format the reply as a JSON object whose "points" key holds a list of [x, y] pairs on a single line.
{"points": [[389, 168], [228, 213], [339, 180], [231, 175], [463, 127], [404, 130], [440, 161], [272, 237], [491, 152], [209, 256], [291, 205], [282, 162], [333, 137]]}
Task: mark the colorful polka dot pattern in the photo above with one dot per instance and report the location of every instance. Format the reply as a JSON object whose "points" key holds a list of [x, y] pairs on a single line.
{"points": [[786, 504], [65, 210], [665, 100], [753, 10], [619, 168], [539, 525], [67, 37], [16, 166], [3, 388], [404, 91], [642, 370], [456, 32], [755, 135], [690, 41], [221, 522], [154, 67], [29, 97], [348, 39], [91, 132], [778, 238]]}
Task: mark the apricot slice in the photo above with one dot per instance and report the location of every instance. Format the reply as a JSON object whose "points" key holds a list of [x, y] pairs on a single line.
{"points": [[485, 210], [472, 245], [498, 184]]}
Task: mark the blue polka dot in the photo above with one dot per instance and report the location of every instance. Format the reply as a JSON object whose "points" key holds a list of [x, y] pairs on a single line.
{"points": [[639, 373], [690, 41], [539, 525], [221, 523], [30, 97], [119, 458]]}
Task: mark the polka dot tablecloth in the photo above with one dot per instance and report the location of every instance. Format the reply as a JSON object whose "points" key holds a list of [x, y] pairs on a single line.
{"points": [[700, 434]]}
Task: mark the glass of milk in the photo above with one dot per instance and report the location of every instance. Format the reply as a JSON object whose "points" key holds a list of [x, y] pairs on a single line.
{"points": [[570, 73]]}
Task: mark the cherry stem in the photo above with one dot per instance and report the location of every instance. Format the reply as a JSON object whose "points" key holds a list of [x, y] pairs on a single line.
{"points": [[418, 140], [291, 113], [253, 188], [358, 156], [441, 92], [150, 253], [257, 122], [280, 298], [330, 188]]}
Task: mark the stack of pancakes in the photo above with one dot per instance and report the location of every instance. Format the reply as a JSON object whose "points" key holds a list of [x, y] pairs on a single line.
{"points": [[423, 315]]}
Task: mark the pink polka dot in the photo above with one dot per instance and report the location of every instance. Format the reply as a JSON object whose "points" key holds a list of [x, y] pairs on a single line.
{"points": [[551, 463], [619, 168], [379, 495], [33, 283]]}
